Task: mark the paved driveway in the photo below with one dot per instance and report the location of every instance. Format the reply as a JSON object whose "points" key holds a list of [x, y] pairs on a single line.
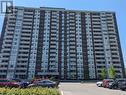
{"points": [[87, 89]]}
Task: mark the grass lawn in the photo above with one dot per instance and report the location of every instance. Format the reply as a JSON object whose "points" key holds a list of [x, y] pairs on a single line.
{"points": [[29, 91]]}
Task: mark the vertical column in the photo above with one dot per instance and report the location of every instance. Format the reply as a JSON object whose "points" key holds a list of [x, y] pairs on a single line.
{"points": [[46, 40], [40, 44], [34, 44], [122, 66], [92, 47], [60, 45], [84, 45], [71, 40], [6, 40], [15, 45], [80, 69], [53, 46], [105, 35], [68, 49], [65, 45]]}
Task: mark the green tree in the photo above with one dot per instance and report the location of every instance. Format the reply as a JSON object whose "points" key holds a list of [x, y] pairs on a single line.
{"points": [[103, 73], [112, 72]]}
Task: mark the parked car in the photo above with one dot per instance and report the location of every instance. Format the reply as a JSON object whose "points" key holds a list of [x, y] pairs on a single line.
{"points": [[115, 83], [122, 85], [99, 83], [8, 83], [22, 83], [106, 82], [43, 83]]}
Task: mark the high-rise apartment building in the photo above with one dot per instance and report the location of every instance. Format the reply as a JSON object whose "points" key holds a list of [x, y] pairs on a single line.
{"points": [[68, 44]]}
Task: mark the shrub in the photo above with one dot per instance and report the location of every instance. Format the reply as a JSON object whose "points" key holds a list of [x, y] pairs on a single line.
{"points": [[29, 91]]}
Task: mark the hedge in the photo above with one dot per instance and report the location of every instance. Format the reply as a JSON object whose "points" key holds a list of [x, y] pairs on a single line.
{"points": [[29, 91]]}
